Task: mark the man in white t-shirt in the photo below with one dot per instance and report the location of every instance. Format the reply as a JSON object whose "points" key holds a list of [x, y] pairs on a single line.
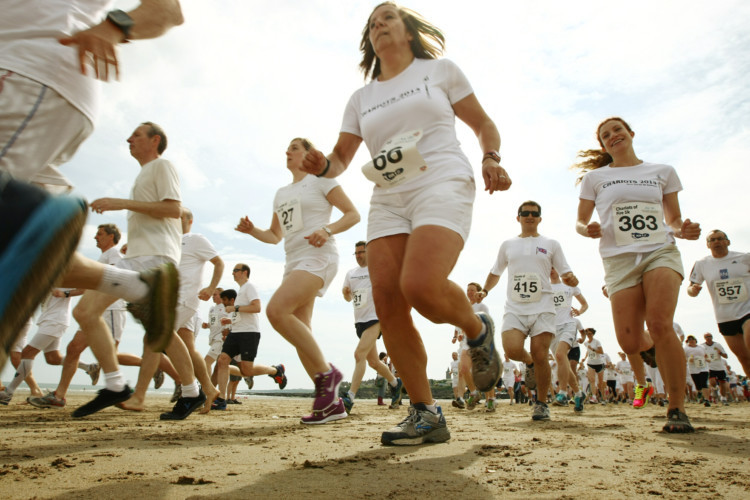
{"points": [[215, 338], [727, 274], [52, 52], [154, 234], [717, 375], [358, 290], [529, 307]]}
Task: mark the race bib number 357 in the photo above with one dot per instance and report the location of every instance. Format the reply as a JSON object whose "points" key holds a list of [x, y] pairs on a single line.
{"points": [[397, 161], [638, 223], [730, 291]]}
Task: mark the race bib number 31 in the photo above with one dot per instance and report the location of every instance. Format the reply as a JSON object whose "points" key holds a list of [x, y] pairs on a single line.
{"points": [[638, 223], [397, 161], [730, 291], [526, 287], [360, 297]]}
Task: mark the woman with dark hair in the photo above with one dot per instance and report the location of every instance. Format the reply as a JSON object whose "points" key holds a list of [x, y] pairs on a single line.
{"points": [[302, 211], [640, 218], [421, 207]]}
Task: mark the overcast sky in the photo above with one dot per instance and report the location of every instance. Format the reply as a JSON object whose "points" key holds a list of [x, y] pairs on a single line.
{"points": [[239, 79]]}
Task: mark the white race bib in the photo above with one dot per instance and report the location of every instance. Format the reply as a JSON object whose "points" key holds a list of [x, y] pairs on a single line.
{"points": [[699, 362], [290, 216], [730, 291], [638, 223], [714, 356], [398, 161], [526, 287], [360, 297], [561, 301]]}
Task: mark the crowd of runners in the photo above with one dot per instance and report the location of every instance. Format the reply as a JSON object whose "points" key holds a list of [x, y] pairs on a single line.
{"points": [[419, 220]]}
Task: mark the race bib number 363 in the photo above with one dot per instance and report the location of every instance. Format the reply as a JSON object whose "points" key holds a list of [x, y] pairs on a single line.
{"points": [[638, 223], [397, 161]]}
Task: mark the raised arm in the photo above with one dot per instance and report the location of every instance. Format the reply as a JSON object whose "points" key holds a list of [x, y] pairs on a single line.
{"points": [[334, 165]]}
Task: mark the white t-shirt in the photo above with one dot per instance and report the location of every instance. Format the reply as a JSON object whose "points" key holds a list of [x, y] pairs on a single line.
{"points": [[420, 98], [728, 279], [529, 262], [610, 374], [55, 310], [29, 30], [635, 194], [302, 208], [246, 322], [454, 370], [509, 368], [562, 296], [696, 357], [623, 368], [196, 251], [152, 236], [594, 357], [714, 352], [358, 281], [111, 257], [215, 314]]}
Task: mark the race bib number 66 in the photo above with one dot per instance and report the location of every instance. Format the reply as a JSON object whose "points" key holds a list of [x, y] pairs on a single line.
{"points": [[397, 161]]}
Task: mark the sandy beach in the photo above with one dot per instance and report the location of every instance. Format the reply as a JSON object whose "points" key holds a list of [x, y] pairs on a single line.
{"points": [[259, 448]]}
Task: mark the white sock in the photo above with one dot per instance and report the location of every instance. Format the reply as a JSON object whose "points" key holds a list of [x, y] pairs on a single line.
{"points": [[394, 383], [351, 395], [83, 366], [432, 408], [190, 390], [122, 283], [23, 370], [114, 381]]}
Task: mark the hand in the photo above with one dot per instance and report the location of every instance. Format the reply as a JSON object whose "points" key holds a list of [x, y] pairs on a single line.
{"points": [[690, 230], [97, 46], [314, 162], [108, 204], [693, 289], [245, 226], [569, 279], [58, 293], [574, 312], [495, 177], [206, 293], [124, 249], [580, 341], [594, 230], [226, 321], [318, 238], [205, 325]]}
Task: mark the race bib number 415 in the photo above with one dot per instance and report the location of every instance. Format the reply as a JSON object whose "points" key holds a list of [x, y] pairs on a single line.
{"points": [[526, 287], [398, 161], [638, 223]]}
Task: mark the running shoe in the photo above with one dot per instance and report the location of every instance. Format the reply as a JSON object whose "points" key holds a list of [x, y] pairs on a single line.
{"points": [[707, 404], [185, 406], [250, 382], [176, 394], [541, 412], [642, 395], [104, 398], [235, 401], [279, 376], [579, 399], [327, 405], [560, 400], [677, 422], [49, 400], [5, 397], [458, 403], [348, 403], [38, 235], [158, 379], [472, 401], [490, 405], [649, 357], [486, 366], [530, 377], [156, 312], [229, 402], [220, 404], [396, 393], [93, 372], [420, 426]]}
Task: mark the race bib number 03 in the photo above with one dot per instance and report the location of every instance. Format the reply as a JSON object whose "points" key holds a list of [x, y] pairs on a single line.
{"points": [[638, 223], [730, 291], [526, 287], [360, 297], [561, 301], [290, 216], [398, 161]]}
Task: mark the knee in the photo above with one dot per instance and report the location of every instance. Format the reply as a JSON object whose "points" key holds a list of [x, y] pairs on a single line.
{"points": [[53, 358], [274, 312], [223, 360], [360, 356], [76, 346], [660, 328]]}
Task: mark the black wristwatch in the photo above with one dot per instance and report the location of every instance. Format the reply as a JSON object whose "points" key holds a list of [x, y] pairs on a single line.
{"points": [[67, 293], [122, 20]]}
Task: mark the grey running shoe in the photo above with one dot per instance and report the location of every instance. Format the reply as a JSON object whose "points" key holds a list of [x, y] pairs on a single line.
{"points": [[157, 311], [396, 393], [5, 398], [49, 400], [459, 403], [530, 377], [158, 379], [177, 394], [486, 367], [420, 426], [541, 412], [93, 372], [677, 422], [250, 382]]}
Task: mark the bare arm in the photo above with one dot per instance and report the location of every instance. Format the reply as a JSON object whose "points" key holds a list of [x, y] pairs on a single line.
{"points": [[584, 305], [489, 283], [347, 293], [340, 158], [272, 235], [584, 226], [673, 217], [165, 209], [338, 198], [207, 292], [252, 307]]}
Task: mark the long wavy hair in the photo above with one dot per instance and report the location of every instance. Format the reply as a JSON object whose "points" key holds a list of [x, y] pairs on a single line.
{"points": [[591, 159], [427, 41]]}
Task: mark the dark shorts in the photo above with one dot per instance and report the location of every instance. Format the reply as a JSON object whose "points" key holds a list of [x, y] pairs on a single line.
{"points": [[361, 327], [596, 368], [612, 384], [574, 354], [700, 380], [234, 378], [719, 375], [734, 327], [243, 343]]}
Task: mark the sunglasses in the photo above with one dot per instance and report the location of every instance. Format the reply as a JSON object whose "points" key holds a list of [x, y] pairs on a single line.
{"points": [[236, 270], [526, 213]]}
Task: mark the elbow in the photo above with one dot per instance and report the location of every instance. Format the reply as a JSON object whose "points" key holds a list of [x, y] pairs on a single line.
{"points": [[175, 17]]}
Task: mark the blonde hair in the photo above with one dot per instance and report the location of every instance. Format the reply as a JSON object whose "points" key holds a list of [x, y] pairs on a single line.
{"points": [[591, 159], [427, 41]]}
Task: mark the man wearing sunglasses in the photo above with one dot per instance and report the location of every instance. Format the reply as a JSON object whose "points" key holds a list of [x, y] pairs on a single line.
{"points": [[727, 274], [529, 307]]}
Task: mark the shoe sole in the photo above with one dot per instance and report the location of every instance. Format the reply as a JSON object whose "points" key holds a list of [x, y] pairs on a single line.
{"points": [[436, 436], [330, 418], [34, 261], [44, 406]]}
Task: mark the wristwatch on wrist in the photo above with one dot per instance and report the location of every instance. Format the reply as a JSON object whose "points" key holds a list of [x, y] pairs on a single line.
{"points": [[492, 154], [328, 231], [67, 293], [122, 21]]}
